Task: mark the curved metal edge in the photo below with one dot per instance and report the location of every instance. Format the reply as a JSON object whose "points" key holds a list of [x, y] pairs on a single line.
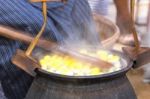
{"points": [[101, 77]]}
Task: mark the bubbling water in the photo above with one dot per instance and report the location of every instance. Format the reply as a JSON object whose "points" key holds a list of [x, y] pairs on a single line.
{"points": [[67, 65]]}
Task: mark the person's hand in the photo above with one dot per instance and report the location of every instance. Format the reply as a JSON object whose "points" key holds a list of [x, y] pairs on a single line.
{"points": [[125, 25], [124, 22]]}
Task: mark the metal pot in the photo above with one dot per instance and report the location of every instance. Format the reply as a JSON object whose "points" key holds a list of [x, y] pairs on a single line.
{"points": [[113, 85], [49, 85], [126, 63]]}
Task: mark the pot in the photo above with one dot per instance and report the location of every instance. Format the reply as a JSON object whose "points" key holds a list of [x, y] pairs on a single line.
{"points": [[113, 85], [107, 86], [55, 88]]}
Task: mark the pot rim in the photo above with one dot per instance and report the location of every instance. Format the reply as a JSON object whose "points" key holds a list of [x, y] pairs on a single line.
{"points": [[101, 76]]}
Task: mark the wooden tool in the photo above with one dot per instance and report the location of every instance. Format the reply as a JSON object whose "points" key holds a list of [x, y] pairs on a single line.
{"points": [[24, 37], [140, 55], [29, 64], [25, 61], [47, 0]]}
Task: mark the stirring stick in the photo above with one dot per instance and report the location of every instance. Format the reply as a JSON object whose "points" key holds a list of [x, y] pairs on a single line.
{"points": [[137, 45], [36, 39], [47, 0]]}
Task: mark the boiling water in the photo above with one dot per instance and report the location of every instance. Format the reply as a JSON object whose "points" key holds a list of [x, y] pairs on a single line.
{"points": [[70, 66]]}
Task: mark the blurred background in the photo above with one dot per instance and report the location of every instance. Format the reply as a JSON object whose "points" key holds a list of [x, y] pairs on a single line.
{"points": [[142, 23]]}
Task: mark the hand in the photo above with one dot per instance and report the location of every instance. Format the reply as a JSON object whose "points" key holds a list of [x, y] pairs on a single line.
{"points": [[126, 29]]}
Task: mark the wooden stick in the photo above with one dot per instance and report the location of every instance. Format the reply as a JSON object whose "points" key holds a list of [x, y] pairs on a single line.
{"points": [[137, 45], [25, 37], [45, 0], [36, 39]]}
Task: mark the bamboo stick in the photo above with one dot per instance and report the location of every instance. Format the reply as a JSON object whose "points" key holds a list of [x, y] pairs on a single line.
{"points": [[132, 8], [36, 39]]}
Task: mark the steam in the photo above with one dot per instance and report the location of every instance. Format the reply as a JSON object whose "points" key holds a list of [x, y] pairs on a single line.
{"points": [[83, 36]]}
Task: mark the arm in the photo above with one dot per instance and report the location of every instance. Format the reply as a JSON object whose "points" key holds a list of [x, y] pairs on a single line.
{"points": [[124, 22], [122, 7], [123, 18]]}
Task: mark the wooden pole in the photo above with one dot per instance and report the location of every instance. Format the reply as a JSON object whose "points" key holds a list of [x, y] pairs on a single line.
{"points": [[36, 39], [132, 8]]}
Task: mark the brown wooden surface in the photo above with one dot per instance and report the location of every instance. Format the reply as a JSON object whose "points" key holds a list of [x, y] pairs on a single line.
{"points": [[142, 90], [140, 56], [28, 64]]}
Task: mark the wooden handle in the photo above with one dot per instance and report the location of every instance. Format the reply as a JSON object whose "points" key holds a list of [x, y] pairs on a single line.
{"points": [[37, 37], [45, 0], [24, 37], [135, 35], [83, 57]]}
